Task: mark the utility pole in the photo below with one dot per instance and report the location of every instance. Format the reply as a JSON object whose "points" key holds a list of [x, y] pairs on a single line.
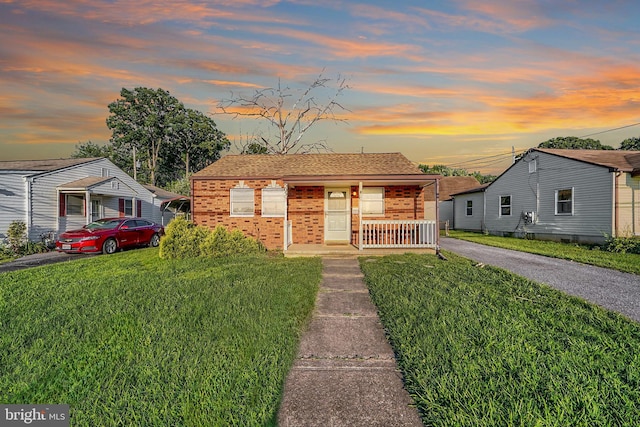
{"points": [[513, 154], [135, 165]]}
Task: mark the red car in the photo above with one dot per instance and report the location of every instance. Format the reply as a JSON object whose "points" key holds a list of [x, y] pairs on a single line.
{"points": [[107, 235]]}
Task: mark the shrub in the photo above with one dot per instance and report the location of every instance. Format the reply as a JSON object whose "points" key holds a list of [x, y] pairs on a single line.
{"points": [[184, 239], [17, 243], [17, 236], [621, 245]]}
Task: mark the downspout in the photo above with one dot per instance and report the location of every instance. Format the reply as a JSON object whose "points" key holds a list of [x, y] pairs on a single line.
{"points": [[286, 218], [191, 201], [484, 211], [615, 203], [28, 181], [360, 215], [437, 214]]}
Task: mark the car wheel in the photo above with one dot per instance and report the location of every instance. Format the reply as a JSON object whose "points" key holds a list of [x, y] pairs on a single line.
{"points": [[110, 246], [155, 241]]}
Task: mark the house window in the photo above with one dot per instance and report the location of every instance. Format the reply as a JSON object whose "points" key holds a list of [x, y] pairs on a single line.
{"points": [[469, 207], [532, 166], [372, 201], [505, 205], [242, 200], [115, 185], [564, 202], [127, 207], [74, 205], [273, 201]]}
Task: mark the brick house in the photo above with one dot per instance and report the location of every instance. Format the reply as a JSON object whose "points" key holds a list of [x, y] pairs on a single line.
{"points": [[369, 200]]}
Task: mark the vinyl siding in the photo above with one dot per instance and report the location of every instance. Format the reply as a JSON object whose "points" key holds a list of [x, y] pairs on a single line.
{"points": [[461, 220], [535, 192], [40, 193], [13, 205]]}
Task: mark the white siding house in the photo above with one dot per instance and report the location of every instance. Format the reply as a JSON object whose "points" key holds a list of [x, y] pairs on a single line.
{"points": [[569, 195], [52, 196]]}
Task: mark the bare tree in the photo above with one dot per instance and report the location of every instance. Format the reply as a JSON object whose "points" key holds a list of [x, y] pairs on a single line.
{"points": [[290, 112]]}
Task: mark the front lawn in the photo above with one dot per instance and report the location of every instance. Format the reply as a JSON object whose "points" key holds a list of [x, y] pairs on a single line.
{"points": [[131, 339], [483, 347]]}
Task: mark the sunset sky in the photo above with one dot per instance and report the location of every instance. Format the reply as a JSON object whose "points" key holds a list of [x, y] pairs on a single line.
{"points": [[456, 82]]}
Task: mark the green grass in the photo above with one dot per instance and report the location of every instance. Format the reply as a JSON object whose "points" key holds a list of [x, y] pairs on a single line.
{"points": [[629, 263], [131, 339], [483, 347]]}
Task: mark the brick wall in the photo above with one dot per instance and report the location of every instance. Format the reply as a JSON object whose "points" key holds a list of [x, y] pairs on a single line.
{"points": [[306, 213], [211, 206]]}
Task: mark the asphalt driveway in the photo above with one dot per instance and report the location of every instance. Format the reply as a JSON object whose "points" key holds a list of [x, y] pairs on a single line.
{"points": [[39, 259], [607, 288]]}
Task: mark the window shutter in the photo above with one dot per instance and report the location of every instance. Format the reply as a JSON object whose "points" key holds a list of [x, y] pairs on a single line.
{"points": [[138, 207], [63, 208], [121, 207]]}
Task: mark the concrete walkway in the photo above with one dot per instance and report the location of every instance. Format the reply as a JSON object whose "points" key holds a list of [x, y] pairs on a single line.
{"points": [[345, 372]]}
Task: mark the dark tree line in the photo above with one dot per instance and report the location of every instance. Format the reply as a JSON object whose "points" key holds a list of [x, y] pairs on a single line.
{"points": [[575, 143]]}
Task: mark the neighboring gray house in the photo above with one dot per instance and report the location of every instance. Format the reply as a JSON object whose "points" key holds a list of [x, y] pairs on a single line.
{"points": [[468, 209], [578, 196], [51, 196], [452, 185]]}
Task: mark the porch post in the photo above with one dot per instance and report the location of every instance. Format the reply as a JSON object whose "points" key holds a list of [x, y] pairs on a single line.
{"points": [[437, 214], [87, 210], [360, 215]]}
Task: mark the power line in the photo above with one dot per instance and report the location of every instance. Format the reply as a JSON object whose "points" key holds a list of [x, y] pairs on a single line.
{"points": [[487, 160], [610, 130], [479, 159]]}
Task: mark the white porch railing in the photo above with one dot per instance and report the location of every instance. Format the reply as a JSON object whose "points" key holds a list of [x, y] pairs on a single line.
{"points": [[399, 234]]}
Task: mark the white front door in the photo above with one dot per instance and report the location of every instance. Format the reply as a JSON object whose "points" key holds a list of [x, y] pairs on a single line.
{"points": [[337, 215]]}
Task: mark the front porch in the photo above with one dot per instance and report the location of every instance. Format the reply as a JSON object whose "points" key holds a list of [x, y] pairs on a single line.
{"points": [[373, 237]]}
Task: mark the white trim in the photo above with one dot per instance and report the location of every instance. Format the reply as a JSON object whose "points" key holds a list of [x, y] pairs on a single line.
{"points": [[555, 204], [466, 207], [241, 188], [279, 196], [372, 191], [500, 205]]}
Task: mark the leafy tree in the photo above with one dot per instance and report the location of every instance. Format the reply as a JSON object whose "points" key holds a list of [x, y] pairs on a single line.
{"points": [[574, 143], [156, 139], [254, 148], [632, 143], [449, 171], [141, 121], [195, 142], [292, 113], [180, 186], [90, 149]]}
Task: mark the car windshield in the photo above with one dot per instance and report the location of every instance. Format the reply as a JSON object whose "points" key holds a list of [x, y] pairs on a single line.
{"points": [[102, 224]]}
